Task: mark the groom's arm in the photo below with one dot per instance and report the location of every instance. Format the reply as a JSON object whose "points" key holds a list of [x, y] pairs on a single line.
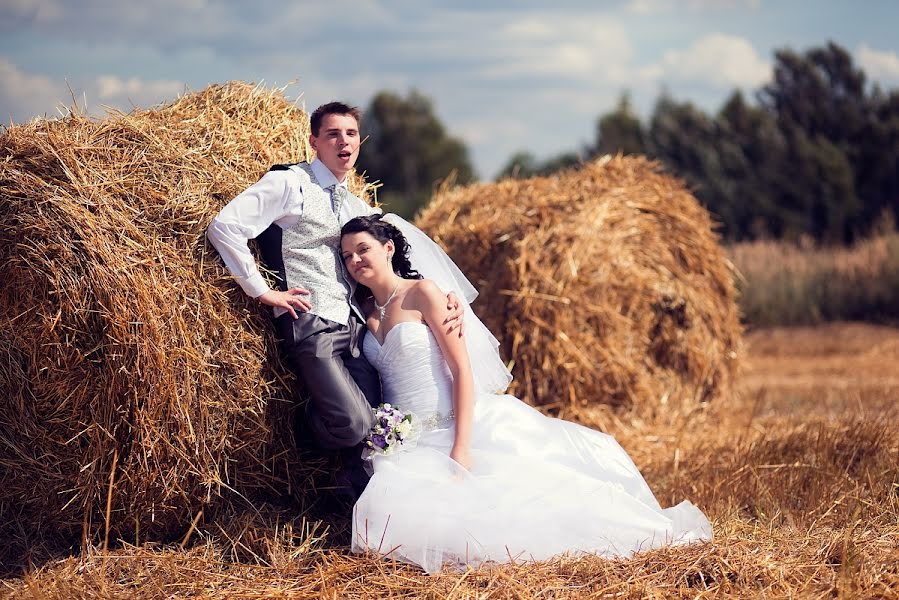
{"points": [[432, 262], [272, 198]]}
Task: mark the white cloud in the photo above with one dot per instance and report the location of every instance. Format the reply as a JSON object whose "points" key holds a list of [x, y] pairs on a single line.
{"points": [[649, 7], [23, 95], [302, 16], [318, 88], [40, 11], [110, 88], [881, 66], [717, 59], [592, 49]]}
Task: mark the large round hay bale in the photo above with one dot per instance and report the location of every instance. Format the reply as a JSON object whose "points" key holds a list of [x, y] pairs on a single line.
{"points": [[605, 284], [132, 367]]}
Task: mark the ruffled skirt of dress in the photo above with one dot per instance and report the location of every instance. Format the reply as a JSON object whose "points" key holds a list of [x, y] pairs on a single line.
{"points": [[539, 487]]}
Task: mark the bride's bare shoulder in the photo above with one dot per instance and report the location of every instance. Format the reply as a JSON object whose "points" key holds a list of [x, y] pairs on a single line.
{"points": [[425, 291], [426, 286]]}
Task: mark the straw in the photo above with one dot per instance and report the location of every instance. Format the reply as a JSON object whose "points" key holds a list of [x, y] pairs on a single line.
{"points": [[605, 284], [121, 333]]}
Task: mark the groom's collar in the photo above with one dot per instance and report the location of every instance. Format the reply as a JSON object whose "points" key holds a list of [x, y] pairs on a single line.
{"points": [[324, 175]]}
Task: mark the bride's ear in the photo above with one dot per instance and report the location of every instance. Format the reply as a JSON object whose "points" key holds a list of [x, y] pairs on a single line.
{"points": [[390, 247]]}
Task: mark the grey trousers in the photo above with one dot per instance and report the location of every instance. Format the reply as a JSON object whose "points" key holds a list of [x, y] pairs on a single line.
{"points": [[341, 384]]}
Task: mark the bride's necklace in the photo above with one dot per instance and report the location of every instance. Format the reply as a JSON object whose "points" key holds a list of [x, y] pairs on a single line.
{"points": [[382, 309]]}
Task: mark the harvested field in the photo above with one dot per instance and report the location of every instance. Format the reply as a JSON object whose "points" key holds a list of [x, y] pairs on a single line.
{"points": [[146, 418], [800, 482], [146, 396]]}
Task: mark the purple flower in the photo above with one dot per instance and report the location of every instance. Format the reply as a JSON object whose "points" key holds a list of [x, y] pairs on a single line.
{"points": [[391, 429]]}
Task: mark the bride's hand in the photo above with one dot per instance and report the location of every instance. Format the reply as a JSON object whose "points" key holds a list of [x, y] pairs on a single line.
{"points": [[461, 456], [456, 318]]}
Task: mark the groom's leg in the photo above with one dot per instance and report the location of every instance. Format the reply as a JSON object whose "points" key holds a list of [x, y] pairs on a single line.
{"points": [[338, 414], [353, 477], [362, 371]]}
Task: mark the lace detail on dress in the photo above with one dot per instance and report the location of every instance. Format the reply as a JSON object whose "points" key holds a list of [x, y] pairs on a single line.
{"points": [[437, 421]]}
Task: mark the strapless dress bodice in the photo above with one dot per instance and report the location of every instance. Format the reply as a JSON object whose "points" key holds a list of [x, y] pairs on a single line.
{"points": [[414, 375]]}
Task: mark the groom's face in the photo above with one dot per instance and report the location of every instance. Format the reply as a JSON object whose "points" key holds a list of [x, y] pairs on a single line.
{"points": [[337, 143]]}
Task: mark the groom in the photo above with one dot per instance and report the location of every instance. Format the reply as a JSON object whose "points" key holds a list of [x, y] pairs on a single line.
{"points": [[296, 212]]}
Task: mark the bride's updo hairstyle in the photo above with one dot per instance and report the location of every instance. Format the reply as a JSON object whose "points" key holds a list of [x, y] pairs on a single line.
{"points": [[384, 231]]}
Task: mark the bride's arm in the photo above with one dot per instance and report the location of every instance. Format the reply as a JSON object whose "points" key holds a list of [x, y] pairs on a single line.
{"points": [[431, 302]]}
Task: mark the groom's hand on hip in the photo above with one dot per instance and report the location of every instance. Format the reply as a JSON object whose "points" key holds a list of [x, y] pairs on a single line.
{"points": [[456, 318], [291, 300]]}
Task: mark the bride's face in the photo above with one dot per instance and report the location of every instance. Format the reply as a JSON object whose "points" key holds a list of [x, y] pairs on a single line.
{"points": [[365, 257]]}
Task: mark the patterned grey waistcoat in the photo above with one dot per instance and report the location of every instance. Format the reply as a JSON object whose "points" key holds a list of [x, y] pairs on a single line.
{"points": [[309, 252]]}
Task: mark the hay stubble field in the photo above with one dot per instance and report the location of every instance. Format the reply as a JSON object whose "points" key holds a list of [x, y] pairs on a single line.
{"points": [[144, 398], [799, 472]]}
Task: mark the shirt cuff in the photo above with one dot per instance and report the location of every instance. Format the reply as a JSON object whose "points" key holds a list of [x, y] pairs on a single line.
{"points": [[254, 285]]}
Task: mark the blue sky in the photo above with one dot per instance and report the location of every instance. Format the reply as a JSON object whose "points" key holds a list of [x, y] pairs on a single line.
{"points": [[504, 76]]}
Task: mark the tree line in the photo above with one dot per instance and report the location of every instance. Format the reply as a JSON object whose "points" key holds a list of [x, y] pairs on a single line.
{"points": [[815, 154], [407, 150]]}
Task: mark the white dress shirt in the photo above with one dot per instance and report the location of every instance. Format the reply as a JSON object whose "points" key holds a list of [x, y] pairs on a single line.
{"points": [[277, 198]]}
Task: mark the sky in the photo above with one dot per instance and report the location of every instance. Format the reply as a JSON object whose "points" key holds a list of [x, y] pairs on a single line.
{"points": [[504, 76]]}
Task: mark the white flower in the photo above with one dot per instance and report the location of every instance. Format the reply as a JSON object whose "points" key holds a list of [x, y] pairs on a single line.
{"points": [[403, 428], [396, 429]]}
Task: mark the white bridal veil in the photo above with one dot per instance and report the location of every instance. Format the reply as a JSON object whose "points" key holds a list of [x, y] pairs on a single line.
{"points": [[490, 374]]}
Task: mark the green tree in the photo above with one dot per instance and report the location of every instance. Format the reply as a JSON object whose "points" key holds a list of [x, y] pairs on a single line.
{"points": [[524, 164], [877, 164], [728, 160], [620, 131], [409, 150], [820, 104], [683, 136], [521, 165], [685, 139], [793, 165], [817, 155], [820, 93], [751, 150]]}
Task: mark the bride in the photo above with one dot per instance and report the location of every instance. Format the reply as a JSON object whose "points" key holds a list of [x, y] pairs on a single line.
{"points": [[489, 478]]}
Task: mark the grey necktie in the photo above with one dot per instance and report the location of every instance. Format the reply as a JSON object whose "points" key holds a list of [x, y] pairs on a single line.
{"points": [[338, 195]]}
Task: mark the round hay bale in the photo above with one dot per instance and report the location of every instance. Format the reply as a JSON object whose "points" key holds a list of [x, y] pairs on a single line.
{"points": [[605, 284], [133, 370]]}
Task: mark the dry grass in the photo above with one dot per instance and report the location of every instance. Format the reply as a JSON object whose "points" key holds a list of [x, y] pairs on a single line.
{"points": [[141, 388], [605, 284], [784, 284], [801, 481]]}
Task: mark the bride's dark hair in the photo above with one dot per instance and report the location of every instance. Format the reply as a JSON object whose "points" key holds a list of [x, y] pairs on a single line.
{"points": [[383, 231]]}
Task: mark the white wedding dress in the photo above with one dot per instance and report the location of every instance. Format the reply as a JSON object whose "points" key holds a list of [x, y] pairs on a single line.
{"points": [[538, 487]]}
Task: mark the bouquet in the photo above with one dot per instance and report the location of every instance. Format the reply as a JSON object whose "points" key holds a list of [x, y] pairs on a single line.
{"points": [[393, 429]]}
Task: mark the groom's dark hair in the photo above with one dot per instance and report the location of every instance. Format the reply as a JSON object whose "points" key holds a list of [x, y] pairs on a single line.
{"points": [[332, 108]]}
